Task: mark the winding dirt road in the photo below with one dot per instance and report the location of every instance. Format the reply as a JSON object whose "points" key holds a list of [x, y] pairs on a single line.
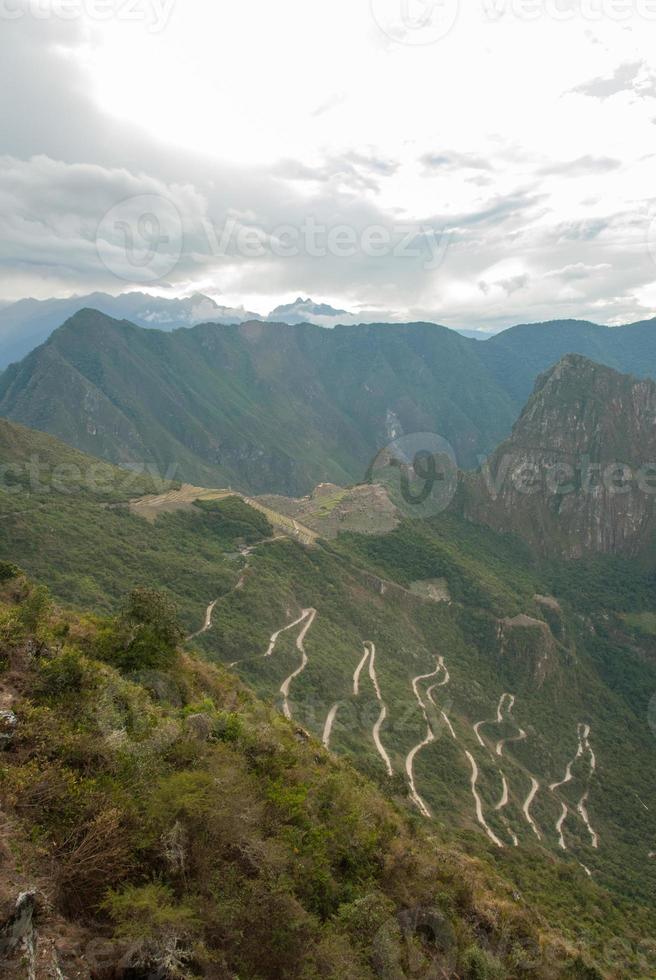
{"points": [[308, 615], [479, 803], [383, 711], [328, 726], [430, 734], [358, 670], [207, 624], [583, 733], [526, 809], [501, 805], [509, 700]]}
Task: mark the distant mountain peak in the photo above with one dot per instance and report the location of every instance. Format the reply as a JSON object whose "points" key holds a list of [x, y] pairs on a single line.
{"points": [[575, 477], [304, 311]]}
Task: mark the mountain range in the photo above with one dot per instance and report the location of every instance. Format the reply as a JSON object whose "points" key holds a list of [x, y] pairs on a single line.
{"points": [[279, 408], [497, 697], [416, 737], [29, 322]]}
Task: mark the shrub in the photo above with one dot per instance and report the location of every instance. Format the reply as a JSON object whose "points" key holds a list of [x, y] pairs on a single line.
{"points": [[63, 674], [146, 634], [8, 571], [479, 965], [35, 607], [150, 911]]}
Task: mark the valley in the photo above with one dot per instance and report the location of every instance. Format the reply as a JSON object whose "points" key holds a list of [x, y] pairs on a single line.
{"points": [[447, 662]]}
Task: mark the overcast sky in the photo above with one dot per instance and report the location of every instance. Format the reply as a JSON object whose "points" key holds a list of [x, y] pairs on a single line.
{"points": [[478, 167]]}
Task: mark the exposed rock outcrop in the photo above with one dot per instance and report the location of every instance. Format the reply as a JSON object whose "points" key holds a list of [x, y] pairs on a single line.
{"points": [[578, 474]]}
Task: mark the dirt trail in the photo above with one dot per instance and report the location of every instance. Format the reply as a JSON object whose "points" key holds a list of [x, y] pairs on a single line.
{"points": [[370, 656], [328, 726], [504, 714], [308, 616], [274, 636], [583, 733], [501, 805], [508, 699], [207, 624], [559, 826], [409, 764], [430, 735], [479, 803], [526, 809], [272, 641], [383, 712], [443, 715], [358, 670]]}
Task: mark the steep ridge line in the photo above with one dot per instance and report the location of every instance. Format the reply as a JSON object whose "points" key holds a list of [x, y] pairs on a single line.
{"points": [[308, 616]]}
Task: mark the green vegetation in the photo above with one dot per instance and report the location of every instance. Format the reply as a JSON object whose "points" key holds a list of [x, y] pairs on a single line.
{"points": [[577, 657], [187, 824]]}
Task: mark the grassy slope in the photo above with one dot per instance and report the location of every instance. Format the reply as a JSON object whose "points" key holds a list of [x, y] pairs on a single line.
{"points": [[600, 673], [170, 817]]}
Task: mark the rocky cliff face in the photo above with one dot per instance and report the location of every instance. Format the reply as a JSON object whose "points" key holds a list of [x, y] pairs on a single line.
{"points": [[578, 474]]}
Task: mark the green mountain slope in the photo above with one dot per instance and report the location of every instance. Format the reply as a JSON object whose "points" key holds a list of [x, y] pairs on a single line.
{"points": [[518, 355], [267, 407], [279, 408], [159, 821], [571, 643]]}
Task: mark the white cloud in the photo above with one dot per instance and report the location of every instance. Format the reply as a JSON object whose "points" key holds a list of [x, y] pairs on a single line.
{"points": [[529, 142]]}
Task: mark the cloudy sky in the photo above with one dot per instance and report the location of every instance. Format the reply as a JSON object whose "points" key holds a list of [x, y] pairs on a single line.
{"points": [[478, 164]]}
